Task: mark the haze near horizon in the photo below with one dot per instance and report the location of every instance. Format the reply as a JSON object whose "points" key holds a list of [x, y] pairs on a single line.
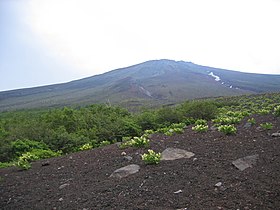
{"points": [[53, 41]]}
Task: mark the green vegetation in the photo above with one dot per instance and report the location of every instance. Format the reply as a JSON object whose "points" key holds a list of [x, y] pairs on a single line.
{"points": [[200, 128], [136, 142], [252, 121], [227, 129], [266, 126], [26, 136], [86, 146], [277, 111], [151, 157]]}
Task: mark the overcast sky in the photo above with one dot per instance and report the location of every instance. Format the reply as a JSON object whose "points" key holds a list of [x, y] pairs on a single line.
{"points": [[52, 41]]}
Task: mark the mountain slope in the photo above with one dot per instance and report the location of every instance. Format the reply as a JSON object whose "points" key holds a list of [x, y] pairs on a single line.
{"points": [[152, 82], [208, 180]]}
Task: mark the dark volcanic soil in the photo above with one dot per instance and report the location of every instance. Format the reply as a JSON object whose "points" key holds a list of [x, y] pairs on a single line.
{"points": [[81, 180]]}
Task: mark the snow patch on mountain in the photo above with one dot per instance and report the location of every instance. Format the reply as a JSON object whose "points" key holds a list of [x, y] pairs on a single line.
{"points": [[217, 78], [146, 92]]}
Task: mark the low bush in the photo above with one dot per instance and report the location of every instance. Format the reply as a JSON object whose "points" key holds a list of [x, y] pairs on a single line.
{"points": [[87, 146], [266, 126], [151, 157], [277, 111], [200, 128], [142, 141], [252, 121], [227, 129]]}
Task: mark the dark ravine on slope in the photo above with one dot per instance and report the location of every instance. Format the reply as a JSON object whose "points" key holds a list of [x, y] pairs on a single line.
{"points": [[152, 82]]}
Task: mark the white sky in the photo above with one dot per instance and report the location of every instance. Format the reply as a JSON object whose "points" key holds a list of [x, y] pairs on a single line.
{"points": [[94, 36]]}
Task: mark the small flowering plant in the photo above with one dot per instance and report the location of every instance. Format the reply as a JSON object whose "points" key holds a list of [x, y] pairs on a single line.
{"points": [[227, 129], [151, 157]]}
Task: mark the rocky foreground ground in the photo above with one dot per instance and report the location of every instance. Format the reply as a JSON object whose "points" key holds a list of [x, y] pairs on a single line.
{"points": [[239, 171]]}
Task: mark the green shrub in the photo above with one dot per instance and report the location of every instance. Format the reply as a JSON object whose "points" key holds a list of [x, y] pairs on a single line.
{"points": [[25, 159], [5, 165], [227, 120], [44, 154], [173, 128], [142, 141], [151, 157], [266, 126], [200, 128], [277, 111], [252, 121], [263, 111], [227, 129], [22, 146], [104, 143], [87, 146], [201, 122], [200, 109], [35, 154]]}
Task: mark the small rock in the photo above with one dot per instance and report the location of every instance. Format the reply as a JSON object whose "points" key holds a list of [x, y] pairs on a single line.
{"points": [[174, 153], [63, 186], [123, 154], [46, 163], [177, 192], [125, 171], [213, 128], [60, 199], [275, 134], [194, 159], [248, 125], [127, 157], [246, 162], [219, 184]]}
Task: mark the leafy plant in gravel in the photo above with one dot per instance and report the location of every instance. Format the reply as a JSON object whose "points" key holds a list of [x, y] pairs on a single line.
{"points": [[277, 111], [151, 157], [24, 160], [200, 128], [104, 143], [263, 111], [252, 121], [87, 146], [173, 128], [5, 165], [227, 129], [200, 122], [142, 141], [266, 126]]}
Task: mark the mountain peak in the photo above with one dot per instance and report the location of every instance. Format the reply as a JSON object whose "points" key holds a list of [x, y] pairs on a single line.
{"points": [[153, 82]]}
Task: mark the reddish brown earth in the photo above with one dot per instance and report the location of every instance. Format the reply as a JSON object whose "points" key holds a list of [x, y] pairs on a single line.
{"points": [[88, 185]]}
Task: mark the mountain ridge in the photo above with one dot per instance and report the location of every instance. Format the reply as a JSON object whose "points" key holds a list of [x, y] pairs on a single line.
{"points": [[152, 82]]}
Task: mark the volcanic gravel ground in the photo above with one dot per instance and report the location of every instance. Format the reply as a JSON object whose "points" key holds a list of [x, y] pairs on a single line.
{"points": [[81, 180]]}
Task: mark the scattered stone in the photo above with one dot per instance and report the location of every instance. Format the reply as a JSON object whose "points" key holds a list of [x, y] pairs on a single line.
{"points": [[219, 184], [60, 167], [60, 199], [213, 128], [248, 125], [125, 171], [246, 162], [174, 153], [127, 157], [123, 154], [195, 159], [46, 163], [276, 134], [63, 186], [177, 192]]}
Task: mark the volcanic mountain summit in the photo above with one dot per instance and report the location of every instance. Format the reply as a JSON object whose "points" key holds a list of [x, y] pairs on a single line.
{"points": [[153, 82]]}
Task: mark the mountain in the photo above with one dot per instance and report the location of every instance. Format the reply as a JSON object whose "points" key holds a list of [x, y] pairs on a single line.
{"points": [[150, 83]]}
